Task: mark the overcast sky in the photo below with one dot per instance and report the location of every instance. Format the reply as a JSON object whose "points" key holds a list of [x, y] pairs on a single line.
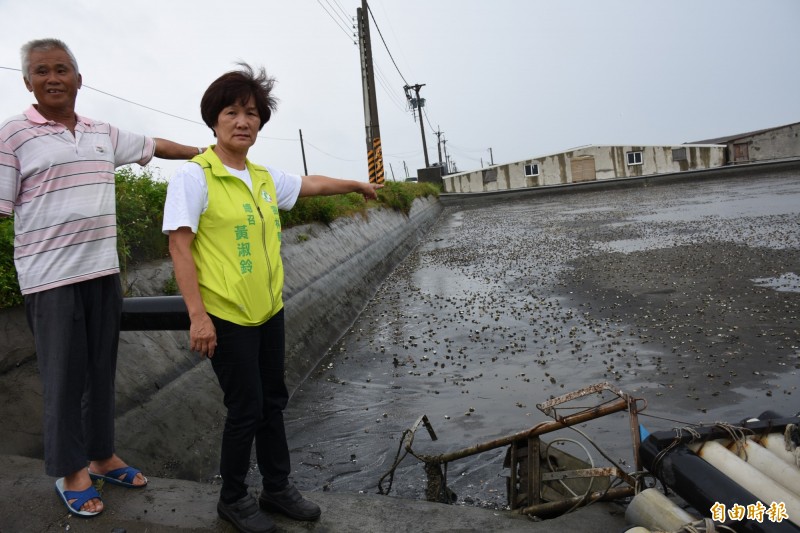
{"points": [[523, 78]]}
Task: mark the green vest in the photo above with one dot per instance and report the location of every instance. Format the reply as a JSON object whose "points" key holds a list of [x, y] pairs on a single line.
{"points": [[237, 249]]}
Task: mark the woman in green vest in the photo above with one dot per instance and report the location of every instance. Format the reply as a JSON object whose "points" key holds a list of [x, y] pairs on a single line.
{"points": [[221, 215]]}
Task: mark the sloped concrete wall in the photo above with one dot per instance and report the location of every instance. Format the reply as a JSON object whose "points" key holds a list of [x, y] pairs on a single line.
{"points": [[331, 272], [169, 406]]}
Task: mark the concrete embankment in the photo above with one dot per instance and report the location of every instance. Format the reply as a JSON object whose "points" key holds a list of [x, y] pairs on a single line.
{"points": [[29, 505], [169, 407], [171, 413]]}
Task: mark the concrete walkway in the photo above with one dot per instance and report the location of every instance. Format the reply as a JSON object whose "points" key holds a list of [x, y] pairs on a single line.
{"points": [[29, 504]]}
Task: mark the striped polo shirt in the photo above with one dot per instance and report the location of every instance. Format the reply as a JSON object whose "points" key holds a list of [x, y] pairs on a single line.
{"points": [[60, 188]]}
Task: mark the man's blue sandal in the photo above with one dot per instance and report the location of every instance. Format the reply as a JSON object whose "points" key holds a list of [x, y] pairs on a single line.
{"points": [[80, 497], [120, 476]]}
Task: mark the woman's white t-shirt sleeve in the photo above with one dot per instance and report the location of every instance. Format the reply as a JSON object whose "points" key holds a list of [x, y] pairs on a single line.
{"points": [[287, 187], [187, 198], [187, 195]]}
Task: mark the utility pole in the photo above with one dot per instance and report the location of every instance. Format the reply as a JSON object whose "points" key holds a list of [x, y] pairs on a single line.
{"points": [[491, 157], [439, 144], [417, 104], [303, 151], [446, 157], [374, 150]]}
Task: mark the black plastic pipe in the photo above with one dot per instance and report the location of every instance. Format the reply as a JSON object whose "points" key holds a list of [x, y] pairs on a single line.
{"points": [[700, 484], [154, 313]]}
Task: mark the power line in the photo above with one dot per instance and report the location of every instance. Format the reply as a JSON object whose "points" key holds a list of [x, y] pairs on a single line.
{"points": [[387, 87], [333, 156], [341, 9], [401, 154], [427, 118], [154, 109], [142, 105], [467, 149], [385, 45], [345, 19], [196, 122], [407, 85], [419, 104], [172, 115], [388, 21], [346, 32], [463, 154]]}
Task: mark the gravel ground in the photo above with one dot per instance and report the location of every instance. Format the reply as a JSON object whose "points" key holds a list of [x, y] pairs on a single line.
{"points": [[686, 295]]}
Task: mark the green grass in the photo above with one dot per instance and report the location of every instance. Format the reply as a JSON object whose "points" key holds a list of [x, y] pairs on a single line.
{"points": [[395, 195], [140, 210], [140, 204], [9, 288]]}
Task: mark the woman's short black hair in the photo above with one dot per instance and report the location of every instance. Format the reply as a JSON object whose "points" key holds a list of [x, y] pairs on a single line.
{"points": [[237, 86]]}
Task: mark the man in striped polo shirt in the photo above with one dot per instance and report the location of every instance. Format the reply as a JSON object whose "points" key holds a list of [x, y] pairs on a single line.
{"points": [[57, 178]]}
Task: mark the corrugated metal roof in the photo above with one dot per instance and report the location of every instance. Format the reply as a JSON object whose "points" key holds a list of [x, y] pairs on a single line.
{"points": [[729, 138]]}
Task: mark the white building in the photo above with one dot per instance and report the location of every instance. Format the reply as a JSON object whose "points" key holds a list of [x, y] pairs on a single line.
{"points": [[588, 163], [771, 144]]}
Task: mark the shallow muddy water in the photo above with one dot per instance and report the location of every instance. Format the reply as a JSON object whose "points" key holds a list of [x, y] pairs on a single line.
{"points": [[685, 295]]}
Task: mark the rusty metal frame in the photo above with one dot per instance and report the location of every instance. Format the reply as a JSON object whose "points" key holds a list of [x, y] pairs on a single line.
{"points": [[535, 477], [549, 409]]}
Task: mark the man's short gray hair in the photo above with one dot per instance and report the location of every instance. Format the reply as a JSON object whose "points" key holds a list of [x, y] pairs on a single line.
{"points": [[43, 45]]}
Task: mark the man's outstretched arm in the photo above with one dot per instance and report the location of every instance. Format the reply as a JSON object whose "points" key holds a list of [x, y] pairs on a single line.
{"points": [[171, 150]]}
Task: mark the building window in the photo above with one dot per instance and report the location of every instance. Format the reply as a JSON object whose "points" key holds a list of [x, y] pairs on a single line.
{"points": [[679, 154], [634, 158], [532, 170]]}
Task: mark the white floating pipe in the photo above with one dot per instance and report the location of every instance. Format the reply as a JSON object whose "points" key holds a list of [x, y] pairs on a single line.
{"points": [[774, 442], [652, 510], [767, 463], [749, 478]]}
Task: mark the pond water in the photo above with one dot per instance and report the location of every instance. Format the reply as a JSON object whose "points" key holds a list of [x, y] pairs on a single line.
{"points": [[684, 295]]}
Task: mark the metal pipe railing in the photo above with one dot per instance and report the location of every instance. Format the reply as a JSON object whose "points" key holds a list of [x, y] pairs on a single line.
{"points": [[154, 313]]}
